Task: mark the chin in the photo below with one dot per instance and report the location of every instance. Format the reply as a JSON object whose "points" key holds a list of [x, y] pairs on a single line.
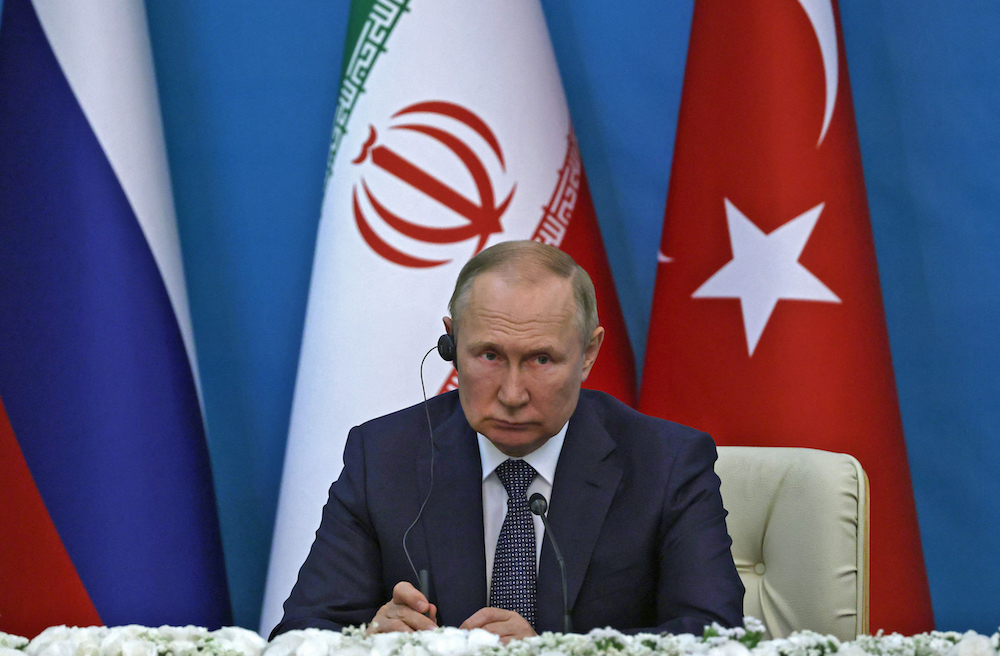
{"points": [[514, 442]]}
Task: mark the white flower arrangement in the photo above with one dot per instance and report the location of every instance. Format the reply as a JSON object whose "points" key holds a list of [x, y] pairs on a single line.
{"points": [[11, 645], [716, 641], [135, 640], [8, 641]]}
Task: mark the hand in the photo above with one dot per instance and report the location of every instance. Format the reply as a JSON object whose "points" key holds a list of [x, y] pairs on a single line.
{"points": [[404, 612], [505, 623]]}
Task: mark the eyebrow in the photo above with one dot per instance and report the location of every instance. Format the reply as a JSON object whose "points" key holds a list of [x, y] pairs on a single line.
{"points": [[493, 346]]}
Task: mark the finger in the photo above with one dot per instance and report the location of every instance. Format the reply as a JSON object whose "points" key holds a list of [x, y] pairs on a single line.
{"points": [[415, 620], [394, 617], [510, 630], [386, 625], [504, 623], [406, 595], [482, 617]]}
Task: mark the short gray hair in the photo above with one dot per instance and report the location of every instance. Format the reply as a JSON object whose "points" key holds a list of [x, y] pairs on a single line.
{"points": [[514, 255]]}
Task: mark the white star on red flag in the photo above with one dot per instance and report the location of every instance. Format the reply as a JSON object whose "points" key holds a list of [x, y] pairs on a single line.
{"points": [[765, 269]]}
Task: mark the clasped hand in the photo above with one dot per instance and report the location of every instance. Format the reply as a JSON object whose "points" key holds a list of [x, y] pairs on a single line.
{"points": [[409, 610]]}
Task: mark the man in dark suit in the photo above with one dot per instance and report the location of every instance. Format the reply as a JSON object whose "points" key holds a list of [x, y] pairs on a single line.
{"points": [[633, 500]]}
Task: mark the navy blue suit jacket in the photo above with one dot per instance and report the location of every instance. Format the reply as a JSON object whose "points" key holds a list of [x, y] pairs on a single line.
{"points": [[635, 507]]}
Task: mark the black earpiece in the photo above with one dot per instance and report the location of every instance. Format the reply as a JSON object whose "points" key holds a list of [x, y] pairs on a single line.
{"points": [[446, 347]]}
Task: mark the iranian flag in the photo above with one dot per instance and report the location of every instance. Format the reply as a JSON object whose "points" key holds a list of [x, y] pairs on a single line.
{"points": [[451, 134], [768, 327]]}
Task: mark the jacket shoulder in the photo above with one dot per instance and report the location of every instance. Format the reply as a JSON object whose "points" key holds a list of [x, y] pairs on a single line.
{"points": [[638, 433], [441, 408], [613, 413]]}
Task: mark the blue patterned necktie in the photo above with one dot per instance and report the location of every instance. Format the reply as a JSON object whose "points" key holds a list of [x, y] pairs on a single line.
{"points": [[513, 584]]}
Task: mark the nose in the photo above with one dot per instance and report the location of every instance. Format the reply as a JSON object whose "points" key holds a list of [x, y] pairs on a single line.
{"points": [[513, 392]]}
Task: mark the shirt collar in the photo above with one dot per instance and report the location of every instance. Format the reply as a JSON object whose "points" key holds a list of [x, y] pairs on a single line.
{"points": [[544, 459]]}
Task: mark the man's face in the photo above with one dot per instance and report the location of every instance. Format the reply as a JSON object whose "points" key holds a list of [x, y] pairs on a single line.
{"points": [[521, 359]]}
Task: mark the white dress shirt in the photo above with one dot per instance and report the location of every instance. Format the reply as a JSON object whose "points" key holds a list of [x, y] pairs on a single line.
{"points": [[544, 460]]}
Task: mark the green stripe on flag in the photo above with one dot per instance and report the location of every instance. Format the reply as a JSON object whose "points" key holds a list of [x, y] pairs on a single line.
{"points": [[368, 29]]}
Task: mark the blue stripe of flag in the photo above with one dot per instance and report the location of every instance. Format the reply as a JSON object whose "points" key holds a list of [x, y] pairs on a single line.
{"points": [[93, 369]]}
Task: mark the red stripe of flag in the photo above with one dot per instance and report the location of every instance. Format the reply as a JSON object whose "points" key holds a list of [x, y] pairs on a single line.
{"points": [[39, 586]]}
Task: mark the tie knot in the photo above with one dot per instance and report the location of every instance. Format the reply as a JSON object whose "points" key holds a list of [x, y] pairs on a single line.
{"points": [[516, 476]]}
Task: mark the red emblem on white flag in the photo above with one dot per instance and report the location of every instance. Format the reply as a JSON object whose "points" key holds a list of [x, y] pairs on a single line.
{"points": [[478, 218], [767, 325]]}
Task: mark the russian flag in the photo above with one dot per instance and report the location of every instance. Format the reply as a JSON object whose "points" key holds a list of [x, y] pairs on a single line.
{"points": [[107, 510]]}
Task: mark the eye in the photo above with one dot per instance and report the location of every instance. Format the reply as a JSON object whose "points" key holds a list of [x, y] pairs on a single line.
{"points": [[543, 359], [489, 356]]}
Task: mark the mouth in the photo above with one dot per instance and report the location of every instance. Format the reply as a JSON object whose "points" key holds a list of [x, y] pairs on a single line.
{"points": [[510, 425]]}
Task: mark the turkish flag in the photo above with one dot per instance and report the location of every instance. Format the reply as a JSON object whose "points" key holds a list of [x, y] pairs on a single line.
{"points": [[768, 327]]}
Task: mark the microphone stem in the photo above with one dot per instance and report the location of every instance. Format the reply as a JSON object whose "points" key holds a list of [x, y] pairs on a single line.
{"points": [[567, 621]]}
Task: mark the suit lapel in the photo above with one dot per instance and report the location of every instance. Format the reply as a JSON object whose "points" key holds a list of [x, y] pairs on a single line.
{"points": [[587, 477], [454, 523]]}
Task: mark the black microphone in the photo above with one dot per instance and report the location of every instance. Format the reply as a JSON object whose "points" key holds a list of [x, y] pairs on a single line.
{"points": [[539, 506]]}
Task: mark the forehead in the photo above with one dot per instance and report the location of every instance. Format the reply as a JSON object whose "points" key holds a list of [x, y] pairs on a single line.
{"points": [[509, 303]]}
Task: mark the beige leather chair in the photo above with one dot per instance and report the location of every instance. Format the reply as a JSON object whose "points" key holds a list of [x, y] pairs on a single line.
{"points": [[799, 523]]}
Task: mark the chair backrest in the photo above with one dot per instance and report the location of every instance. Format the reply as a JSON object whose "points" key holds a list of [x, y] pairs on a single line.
{"points": [[799, 523]]}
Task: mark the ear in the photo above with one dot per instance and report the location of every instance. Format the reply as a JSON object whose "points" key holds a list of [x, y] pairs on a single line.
{"points": [[447, 325], [592, 349]]}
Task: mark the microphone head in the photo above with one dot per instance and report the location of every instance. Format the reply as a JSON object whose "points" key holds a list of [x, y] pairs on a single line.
{"points": [[538, 504]]}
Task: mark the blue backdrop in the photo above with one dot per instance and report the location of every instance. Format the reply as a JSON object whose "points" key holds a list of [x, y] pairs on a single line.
{"points": [[248, 94]]}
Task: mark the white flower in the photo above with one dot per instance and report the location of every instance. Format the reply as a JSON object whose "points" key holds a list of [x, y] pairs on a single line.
{"points": [[65, 641], [941, 643], [383, 644], [236, 639], [114, 639], [179, 633], [412, 649], [445, 642], [111, 644], [851, 649], [183, 648], [480, 638], [731, 648], [319, 641], [128, 631], [312, 645], [9, 651], [46, 637], [973, 644], [137, 647], [59, 648], [894, 642], [10, 641], [687, 643], [765, 648], [285, 644]]}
